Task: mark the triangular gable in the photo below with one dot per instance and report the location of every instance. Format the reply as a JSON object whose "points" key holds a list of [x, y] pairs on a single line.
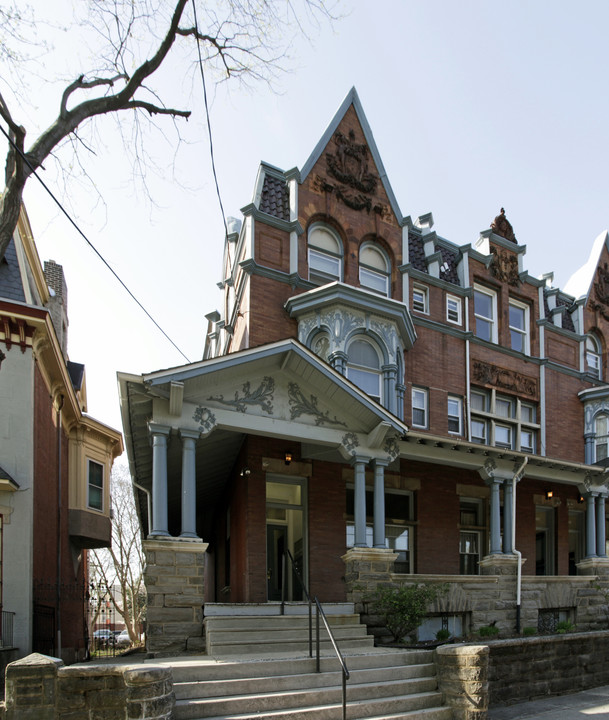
{"points": [[353, 99]]}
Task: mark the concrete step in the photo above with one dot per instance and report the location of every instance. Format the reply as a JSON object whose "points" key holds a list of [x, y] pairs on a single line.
{"points": [[229, 622], [274, 609], [285, 633], [271, 644], [335, 712]]}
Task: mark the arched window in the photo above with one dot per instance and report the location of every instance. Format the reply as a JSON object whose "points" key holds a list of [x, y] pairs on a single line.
{"points": [[325, 255], [364, 368], [593, 357], [374, 269], [600, 438]]}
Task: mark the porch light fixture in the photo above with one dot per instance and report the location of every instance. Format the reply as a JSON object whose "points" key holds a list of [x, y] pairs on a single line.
{"points": [[245, 472], [580, 499], [288, 458], [549, 494]]}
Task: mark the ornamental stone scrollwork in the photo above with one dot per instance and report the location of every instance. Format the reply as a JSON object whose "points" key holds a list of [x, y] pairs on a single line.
{"points": [[350, 443], [489, 467], [262, 397], [506, 379], [504, 266], [300, 405], [601, 291], [205, 417], [502, 226], [392, 448]]}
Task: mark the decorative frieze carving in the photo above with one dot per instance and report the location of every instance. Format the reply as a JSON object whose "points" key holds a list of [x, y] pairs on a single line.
{"points": [[350, 442], [262, 396], [300, 405], [504, 266], [392, 448], [601, 291], [205, 417], [506, 379]]}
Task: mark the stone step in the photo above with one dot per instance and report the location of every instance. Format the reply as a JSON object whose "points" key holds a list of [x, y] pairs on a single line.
{"points": [[222, 622], [274, 609], [269, 645], [323, 705], [285, 633], [335, 712], [235, 686]]}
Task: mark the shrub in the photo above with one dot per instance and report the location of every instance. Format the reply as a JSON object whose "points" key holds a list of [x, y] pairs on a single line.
{"points": [[442, 635], [565, 626], [404, 608], [529, 631], [488, 631]]}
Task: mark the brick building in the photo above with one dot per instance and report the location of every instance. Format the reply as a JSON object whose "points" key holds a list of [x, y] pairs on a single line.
{"points": [[384, 404], [55, 463]]}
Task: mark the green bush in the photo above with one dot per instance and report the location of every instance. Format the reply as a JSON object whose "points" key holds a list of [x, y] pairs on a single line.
{"points": [[442, 635], [564, 627], [488, 631], [529, 631], [404, 608]]}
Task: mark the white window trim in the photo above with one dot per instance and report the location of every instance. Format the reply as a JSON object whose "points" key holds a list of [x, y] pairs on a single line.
{"points": [[103, 487], [457, 301], [425, 293], [459, 402], [526, 332], [515, 422], [493, 319], [425, 395]]}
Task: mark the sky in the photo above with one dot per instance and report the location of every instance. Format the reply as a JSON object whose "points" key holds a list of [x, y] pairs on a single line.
{"points": [[474, 106]]}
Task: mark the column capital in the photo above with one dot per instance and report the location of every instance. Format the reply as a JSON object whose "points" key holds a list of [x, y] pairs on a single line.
{"points": [[189, 434], [359, 460], [380, 462], [157, 429]]}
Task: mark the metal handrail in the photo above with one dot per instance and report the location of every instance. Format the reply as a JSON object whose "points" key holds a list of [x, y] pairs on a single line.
{"points": [[320, 614]]}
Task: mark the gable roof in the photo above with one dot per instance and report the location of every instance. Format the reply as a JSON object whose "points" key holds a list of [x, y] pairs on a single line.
{"points": [[353, 99], [579, 284]]}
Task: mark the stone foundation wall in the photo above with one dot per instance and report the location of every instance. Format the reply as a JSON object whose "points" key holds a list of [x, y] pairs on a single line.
{"points": [[174, 580], [463, 678], [488, 598], [40, 688], [529, 668]]}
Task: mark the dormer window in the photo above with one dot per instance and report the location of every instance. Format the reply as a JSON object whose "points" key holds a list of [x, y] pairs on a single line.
{"points": [[374, 269], [325, 255]]}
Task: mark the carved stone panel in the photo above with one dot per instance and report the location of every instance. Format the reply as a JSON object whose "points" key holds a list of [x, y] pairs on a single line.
{"points": [[504, 379]]}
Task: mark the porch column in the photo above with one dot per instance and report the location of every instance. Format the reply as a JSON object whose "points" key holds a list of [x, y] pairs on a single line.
{"points": [[379, 504], [600, 526], [495, 519], [160, 436], [508, 493], [359, 501], [189, 484], [590, 525]]}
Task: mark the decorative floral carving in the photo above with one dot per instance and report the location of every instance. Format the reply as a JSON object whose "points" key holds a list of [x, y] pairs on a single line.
{"points": [[392, 447], [601, 291], [299, 405], [504, 266], [262, 396], [350, 442], [506, 379], [205, 417]]}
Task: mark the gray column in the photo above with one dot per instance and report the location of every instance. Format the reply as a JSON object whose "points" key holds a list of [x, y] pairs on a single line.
{"points": [[338, 360], [495, 519], [600, 526], [378, 534], [359, 502], [389, 392], [589, 451], [189, 484], [400, 390], [160, 435], [590, 525], [508, 493]]}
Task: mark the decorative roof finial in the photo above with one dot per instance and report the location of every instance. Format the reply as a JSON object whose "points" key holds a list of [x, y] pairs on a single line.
{"points": [[501, 226]]}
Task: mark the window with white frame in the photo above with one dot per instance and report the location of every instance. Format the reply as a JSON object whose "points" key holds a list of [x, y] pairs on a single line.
{"points": [[455, 415], [420, 408], [95, 486], [364, 368], [503, 421], [519, 326], [420, 298], [471, 535], [485, 313], [593, 357], [600, 438], [374, 269], [399, 516], [453, 309], [325, 255]]}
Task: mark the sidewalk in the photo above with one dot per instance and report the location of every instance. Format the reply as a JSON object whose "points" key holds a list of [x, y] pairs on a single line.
{"points": [[592, 704]]}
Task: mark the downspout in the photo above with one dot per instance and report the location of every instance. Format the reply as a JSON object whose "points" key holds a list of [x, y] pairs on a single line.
{"points": [[60, 401], [518, 554]]}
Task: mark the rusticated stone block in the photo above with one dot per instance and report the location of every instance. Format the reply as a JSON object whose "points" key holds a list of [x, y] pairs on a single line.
{"points": [[462, 677]]}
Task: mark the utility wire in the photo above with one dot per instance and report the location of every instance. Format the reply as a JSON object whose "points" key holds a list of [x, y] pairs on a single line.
{"points": [[86, 239], [211, 142]]}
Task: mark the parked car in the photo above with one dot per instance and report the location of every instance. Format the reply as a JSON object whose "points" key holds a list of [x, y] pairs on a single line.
{"points": [[103, 638], [123, 639]]}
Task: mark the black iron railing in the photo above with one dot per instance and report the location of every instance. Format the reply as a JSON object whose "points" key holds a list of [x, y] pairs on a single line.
{"points": [[319, 614], [6, 639]]}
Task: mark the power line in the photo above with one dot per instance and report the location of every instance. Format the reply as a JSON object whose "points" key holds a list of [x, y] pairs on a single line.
{"points": [[86, 239], [211, 142]]}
